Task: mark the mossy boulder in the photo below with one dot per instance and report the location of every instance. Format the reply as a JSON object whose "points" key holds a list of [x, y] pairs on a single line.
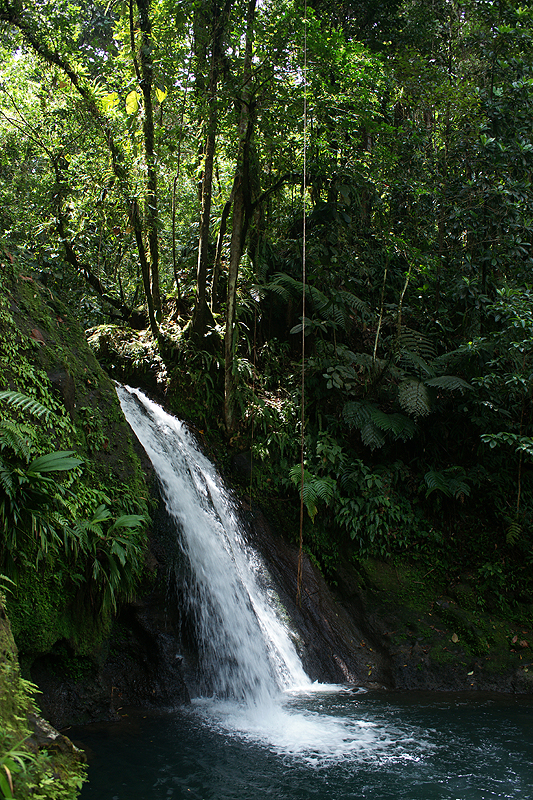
{"points": [[41, 763]]}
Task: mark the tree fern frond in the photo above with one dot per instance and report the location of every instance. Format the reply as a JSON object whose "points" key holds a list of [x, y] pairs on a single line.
{"points": [[341, 316], [458, 488], [416, 342], [436, 481], [355, 413], [371, 435], [318, 298], [16, 437], [354, 302], [6, 479], [450, 382], [313, 489], [514, 532], [286, 286], [410, 358], [25, 403], [400, 426], [413, 397], [280, 290], [451, 482]]}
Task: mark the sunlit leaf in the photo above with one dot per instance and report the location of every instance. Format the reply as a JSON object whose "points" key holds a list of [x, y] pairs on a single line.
{"points": [[110, 101], [132, 102]]}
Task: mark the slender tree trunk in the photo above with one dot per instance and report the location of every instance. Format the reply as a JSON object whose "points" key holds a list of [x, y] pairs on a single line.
{"points": [[200, 313], [217, 24], [241, 204], [151, 212], [218, 252]]}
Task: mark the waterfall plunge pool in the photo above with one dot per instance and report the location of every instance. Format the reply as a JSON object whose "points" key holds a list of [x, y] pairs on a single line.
{"points": [[284, 737], [318, 745]]}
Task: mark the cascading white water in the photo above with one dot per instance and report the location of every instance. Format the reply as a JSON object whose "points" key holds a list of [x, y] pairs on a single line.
{"points": [[245, 647]]}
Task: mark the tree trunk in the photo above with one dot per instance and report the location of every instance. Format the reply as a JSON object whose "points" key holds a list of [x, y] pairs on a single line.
{"points": [[241, 209], [151, 212], [200, 313], [217, 23], [218, 253]]}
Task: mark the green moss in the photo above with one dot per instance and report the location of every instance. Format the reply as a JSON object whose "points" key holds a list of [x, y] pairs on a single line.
{"points": [[442, 654], [46, 608], [404, 581], [44, 354], [41, 767]]}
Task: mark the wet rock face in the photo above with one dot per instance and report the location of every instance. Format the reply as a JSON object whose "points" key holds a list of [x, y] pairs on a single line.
{"points": [[336, 642], [140, 666], [63, 384], [384, 626]]}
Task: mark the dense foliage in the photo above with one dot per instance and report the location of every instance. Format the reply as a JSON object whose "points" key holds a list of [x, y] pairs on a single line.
{"points": [[72, 519], [152, 169]]}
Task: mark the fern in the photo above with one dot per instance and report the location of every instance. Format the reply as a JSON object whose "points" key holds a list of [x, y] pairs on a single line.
{"points": [[450, 382], [371, 435], [401, 427], [514, 532], [6, 479], [26, 403], [413, 397], [16, 437], [356, 413], [451, 482], [313, 489], [409, 358], [415, 342], [354, 302]]}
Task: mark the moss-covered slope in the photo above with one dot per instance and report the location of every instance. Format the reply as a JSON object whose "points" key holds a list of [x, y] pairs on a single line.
{"points": [[71, 563], [35, 760]]}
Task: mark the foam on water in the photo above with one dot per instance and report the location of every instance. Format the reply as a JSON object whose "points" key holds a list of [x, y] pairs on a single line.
{"points": [[316, 738]]}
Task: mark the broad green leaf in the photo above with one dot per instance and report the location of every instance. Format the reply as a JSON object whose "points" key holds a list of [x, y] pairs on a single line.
{"points": [[4, 784], [129, 521], [132, 102], [102, 514], [110, 101], [55, 462]]}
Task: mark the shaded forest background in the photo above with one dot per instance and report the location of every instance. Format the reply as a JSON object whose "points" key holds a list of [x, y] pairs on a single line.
{"points": [[156, 174]]}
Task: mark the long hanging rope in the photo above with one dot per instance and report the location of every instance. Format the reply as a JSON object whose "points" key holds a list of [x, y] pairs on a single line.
{"points": [[304, 278]]}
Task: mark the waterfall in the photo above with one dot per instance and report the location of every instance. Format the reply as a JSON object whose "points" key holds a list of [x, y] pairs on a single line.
{"points": [[245, 647]]}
